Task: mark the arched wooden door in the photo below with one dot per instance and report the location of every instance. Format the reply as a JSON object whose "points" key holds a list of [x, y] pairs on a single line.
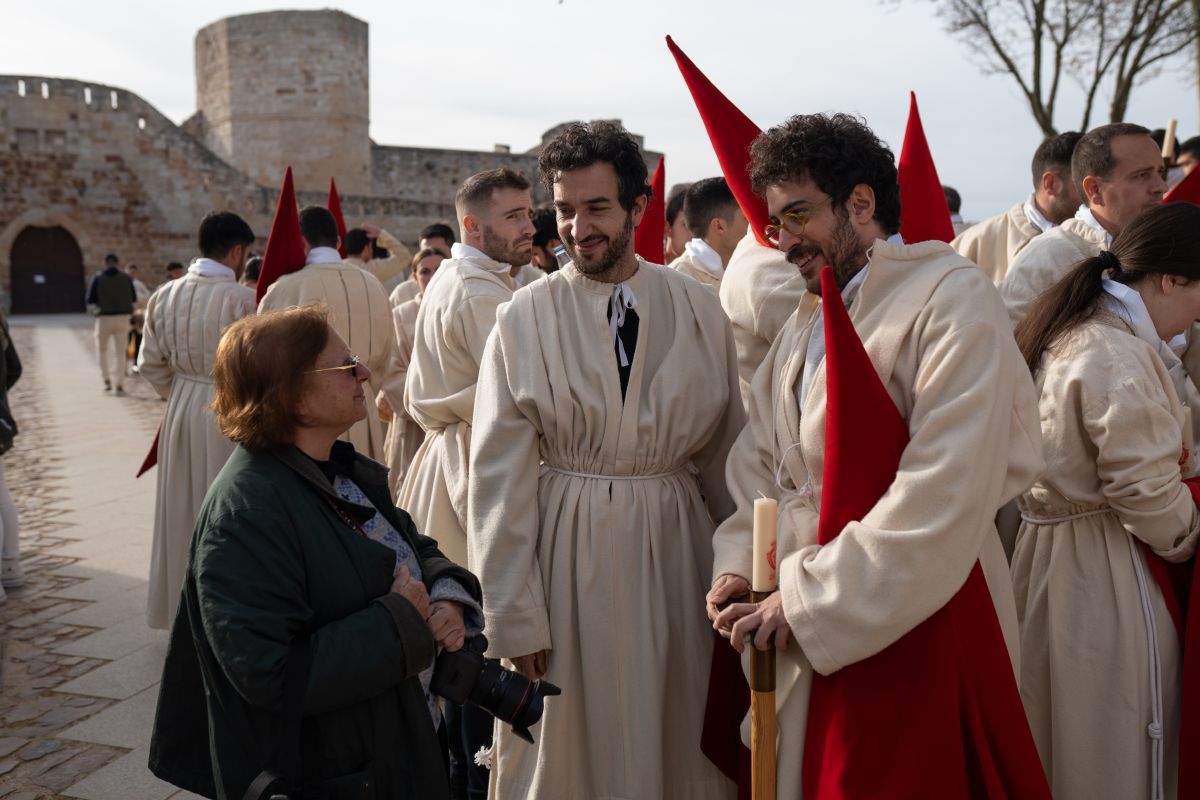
{"points": [[47, 272]]}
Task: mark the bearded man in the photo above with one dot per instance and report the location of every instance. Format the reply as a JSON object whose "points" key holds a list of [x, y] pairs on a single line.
{"points": [[936, 332], [607, 403]]}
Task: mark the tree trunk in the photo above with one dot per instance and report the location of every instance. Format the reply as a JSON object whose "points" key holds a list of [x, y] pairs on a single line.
{"points": [[1196, 22]]}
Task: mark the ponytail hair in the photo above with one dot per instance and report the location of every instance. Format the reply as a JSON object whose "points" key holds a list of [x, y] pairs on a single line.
{"points": [[1162, 241]]}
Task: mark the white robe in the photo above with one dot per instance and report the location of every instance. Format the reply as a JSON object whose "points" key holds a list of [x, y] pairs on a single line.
{"points": [[1045, 261], [457, 313], [404, 435], [184, 321], [995, 242], [759, 292], [591, 523], [937, 333], [396, 267]]}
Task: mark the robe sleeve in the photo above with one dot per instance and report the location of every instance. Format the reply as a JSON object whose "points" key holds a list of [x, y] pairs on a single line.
{"points": [[153, 364], [397, 261], [713, 456], [882, 576], [251, 590], [503, 523], [750, 473], [1138, 442], [404, 346]]}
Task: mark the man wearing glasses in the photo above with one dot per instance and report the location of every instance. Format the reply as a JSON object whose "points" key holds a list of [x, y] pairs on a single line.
{"points": [[937, 333]]}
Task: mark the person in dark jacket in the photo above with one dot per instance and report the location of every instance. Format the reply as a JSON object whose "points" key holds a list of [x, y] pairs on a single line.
{"points": [[312, 608], [11, 575], [110, 297]]}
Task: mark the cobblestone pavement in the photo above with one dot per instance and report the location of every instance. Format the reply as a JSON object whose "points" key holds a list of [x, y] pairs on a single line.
{"points": [[35, 761]]}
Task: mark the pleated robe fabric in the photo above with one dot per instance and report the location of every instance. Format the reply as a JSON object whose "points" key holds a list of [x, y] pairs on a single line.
{"points": [[759, 291], [937, 333], [359, 311], [404, 435], [685, 265], [1089, 609], [184, 322], [995, 242], [458, 311], [1045, 261], [607, 573]]}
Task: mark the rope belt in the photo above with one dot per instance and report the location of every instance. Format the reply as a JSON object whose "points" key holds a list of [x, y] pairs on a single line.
{"points": [[1095, 512], [593, 476]]}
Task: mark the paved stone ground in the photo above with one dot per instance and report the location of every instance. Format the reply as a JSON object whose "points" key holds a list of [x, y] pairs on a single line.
{"points": [[78, 666]]}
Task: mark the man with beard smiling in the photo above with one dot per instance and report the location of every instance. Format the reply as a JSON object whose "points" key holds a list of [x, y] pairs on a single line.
{"points": [[608, 400], [936, 331]]}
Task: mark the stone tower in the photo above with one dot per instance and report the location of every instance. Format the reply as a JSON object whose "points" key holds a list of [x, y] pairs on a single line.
{"points": [[287, 87]]}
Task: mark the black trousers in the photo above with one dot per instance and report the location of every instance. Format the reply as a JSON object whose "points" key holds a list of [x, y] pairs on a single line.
{"points": [[468, 729]]}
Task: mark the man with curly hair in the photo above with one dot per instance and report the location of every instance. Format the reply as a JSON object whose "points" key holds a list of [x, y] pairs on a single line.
{"points": [[937, 333], [606, 405]]}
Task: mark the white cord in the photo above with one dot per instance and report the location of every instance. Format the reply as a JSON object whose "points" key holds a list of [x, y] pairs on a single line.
{"points": [[1155, 729]]}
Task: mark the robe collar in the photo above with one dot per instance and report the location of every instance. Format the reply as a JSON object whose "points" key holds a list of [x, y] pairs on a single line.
{"points": [[1036, 217], [207, 268], [1126, 303], [1085, 215], [478, 257], [322, 255], [705, 258]]}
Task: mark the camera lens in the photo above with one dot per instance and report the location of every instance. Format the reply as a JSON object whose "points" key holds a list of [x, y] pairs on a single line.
{"points": [[511, 697]]}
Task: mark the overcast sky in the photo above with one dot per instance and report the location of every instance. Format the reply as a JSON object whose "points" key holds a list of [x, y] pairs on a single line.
{"points": [[471, 73]]}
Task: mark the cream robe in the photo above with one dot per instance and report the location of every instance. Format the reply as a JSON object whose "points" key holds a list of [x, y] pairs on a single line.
{"points": [[407, 290], [995, 242], [397, 265], [404, 435], [1114, 431], [527, 275], [937, 333], [684, 264], [457, 313], [759, 292], [1045, 261], [609, 574], [184, 321], [359, 311]]}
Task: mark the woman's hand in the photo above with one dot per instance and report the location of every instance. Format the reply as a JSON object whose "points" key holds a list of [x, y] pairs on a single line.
{"points": [[412, 590], [446, 624], [762, 621], [724, 587]]}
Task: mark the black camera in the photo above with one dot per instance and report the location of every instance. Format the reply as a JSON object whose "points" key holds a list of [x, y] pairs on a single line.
{"points": [[466, 676]]}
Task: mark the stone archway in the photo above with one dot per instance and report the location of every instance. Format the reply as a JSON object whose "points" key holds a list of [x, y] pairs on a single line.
{"points": [[46, 271]]}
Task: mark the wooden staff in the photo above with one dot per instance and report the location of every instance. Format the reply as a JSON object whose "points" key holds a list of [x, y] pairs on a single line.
{"points": [[1168, 150], [763, 725]]}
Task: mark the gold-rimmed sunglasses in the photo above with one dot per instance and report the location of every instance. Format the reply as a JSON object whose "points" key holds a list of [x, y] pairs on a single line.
{"points": [[793, 222], [352, 366]]}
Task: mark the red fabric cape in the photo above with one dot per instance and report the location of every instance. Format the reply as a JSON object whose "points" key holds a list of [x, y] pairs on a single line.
{"points": [[937, 713]]}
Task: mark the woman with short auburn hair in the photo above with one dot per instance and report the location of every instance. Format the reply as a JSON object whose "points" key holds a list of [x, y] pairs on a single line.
{"points": [[1100, 659], [311, 606]]}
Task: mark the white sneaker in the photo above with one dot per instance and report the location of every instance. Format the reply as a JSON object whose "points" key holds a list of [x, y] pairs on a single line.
{"points": [[11, 574]]}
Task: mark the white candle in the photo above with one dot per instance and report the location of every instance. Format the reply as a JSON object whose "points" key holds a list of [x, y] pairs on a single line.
{"points": [[1168, 150], [762, 579]]}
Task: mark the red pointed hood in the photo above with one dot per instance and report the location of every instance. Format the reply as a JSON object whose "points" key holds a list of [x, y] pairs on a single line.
{"points": [[335, 208], [924, 214], [285, 245], [649, 239], [1187, 190], [731, 133]]}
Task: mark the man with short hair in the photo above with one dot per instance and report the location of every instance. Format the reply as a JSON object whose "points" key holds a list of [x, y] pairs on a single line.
{"points": [[174, 271], [358, 310], [251, 272], [677, 231], [437, 236], [110, 297], [545, 240], [458, 311], [717, 224], [1189, 155], [1119, 172], [607, 402], [995, 242], [936, 332], [360, 251], [184, 321], [954, 204]]}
